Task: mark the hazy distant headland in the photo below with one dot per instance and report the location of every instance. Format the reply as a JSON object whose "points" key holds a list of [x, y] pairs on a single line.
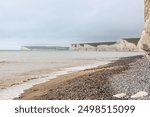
{"points": [[44, 48], [126, 44]]}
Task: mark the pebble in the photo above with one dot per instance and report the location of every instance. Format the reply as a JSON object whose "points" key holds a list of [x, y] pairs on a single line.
{"points": [[121, 95], [140, 94]]}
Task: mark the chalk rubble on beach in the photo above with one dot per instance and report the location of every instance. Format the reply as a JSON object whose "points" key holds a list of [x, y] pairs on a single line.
{"points": [[139, 94], [121, 95]]}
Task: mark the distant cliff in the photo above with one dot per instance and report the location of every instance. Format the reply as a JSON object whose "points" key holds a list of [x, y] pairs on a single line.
{"points": [[44, 48], [128, 44], [122, 45]]}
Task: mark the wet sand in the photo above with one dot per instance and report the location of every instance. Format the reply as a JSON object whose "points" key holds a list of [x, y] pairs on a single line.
{"points": [[101, 83]]}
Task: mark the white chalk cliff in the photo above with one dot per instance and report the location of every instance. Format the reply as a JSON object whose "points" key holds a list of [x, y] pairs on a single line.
{"points": [[121, 45], [129, 44], [144, 43]]}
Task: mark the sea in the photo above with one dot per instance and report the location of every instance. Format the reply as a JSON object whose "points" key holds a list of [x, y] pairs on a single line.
{"points": [[20, 70]]}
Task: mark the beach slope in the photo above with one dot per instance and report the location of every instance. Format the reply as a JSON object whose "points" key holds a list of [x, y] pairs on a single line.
{"points": [[126, 78]]}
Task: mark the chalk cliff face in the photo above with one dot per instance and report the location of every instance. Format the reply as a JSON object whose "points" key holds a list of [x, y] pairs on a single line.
{"points": [[144, 43], [122, 45]]}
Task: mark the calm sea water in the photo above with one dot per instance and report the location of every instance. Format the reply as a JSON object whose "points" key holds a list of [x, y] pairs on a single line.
{"points": [[20, 70]]}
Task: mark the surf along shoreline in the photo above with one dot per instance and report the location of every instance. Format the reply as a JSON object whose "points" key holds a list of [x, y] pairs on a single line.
{"points": [[90, 84]]}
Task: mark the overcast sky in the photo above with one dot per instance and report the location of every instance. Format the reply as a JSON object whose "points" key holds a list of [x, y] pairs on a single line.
{"points": [[61, 22]]}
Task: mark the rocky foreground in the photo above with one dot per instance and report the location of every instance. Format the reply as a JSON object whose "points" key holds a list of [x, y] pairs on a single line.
{"points": [[127, 78]]}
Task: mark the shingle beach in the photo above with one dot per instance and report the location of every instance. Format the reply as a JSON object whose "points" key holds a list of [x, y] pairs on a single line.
{"points": [[127, 78]]}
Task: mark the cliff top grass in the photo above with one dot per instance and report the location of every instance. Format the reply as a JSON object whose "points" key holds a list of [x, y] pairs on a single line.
{"points": [[132, 40]]}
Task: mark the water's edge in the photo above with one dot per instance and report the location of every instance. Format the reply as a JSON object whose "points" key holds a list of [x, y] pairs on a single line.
{"points": [[15, 91]]}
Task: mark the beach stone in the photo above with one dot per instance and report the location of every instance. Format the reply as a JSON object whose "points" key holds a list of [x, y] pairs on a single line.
{"points": [[140, 94], [148, 57], [121, 95]]}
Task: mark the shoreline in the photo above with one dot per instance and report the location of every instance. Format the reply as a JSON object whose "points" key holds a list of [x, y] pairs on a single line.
{"points": [[18, 89], [94, 83]]}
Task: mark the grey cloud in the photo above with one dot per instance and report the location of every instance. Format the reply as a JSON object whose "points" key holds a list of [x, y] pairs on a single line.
{"points": [[66, 21]]}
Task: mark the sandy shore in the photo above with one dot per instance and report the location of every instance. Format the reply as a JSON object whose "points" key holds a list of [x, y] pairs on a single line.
{"points": [[127, 78]]}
